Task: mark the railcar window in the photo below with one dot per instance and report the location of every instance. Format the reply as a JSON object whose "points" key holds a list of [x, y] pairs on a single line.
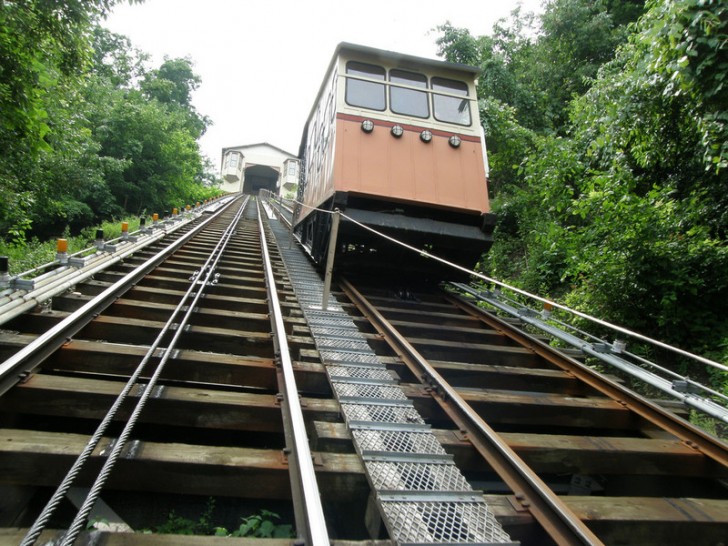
{"points": [[408, 102], [364, 93], [451, 109]]}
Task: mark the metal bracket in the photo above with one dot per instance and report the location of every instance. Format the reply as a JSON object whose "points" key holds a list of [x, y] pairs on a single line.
{"points": [[684, 386], [23, 284]]}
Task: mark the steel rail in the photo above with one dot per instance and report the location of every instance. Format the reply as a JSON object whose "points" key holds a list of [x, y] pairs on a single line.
{"points": [[309, 512], [692, 436], [556, 518], [15, 368], [195, 291]]}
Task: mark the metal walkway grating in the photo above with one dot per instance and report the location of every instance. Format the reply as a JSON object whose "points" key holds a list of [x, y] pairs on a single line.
{"points": [[423, 497]]}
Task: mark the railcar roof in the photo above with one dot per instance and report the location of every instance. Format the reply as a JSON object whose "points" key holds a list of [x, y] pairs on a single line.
{"points": [[346, 47]]}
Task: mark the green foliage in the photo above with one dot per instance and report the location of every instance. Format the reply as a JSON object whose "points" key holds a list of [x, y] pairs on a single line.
{"points": [[178, 525], [263, 524], [27, 255], [607, 141], [88, 132], [683, 44], [172, 85], [577, 38], [42, 44], [457, 45]]}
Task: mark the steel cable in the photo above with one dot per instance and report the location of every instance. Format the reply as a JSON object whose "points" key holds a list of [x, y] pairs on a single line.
{"points": [[79, 521], [502, 284]]}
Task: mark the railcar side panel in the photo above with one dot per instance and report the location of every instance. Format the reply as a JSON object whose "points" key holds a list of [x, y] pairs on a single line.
{"points": [[407, 169], [318, 150]]}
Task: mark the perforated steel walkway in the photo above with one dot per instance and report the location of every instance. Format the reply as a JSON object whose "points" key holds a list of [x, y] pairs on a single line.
{"points": [[422, 496]]}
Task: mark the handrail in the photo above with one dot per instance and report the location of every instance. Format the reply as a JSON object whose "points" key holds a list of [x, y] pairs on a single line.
{"points": [[609, 354], [93, 249]]}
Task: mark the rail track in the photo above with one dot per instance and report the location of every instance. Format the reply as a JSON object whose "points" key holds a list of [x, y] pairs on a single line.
{"points": [[422, 418]]}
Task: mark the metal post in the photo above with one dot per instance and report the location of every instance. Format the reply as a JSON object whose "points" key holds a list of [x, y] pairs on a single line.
{"points": [[294, 216], [330, 258]]}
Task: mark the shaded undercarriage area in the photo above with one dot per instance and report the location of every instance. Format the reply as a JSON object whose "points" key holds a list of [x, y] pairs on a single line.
{"points": [[455, 237]]}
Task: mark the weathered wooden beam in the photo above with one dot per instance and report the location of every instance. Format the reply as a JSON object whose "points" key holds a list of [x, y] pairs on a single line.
{"points": [[241, 289], [461, 374], [11, 342], [654, 520], [643, 521], [195, 366], [14, 536], [476, 332], [192, 407], [121, 359], [40, 458], [513, 407], [443, 318], [224, 340], [482, 353], [255, 303], [203, 316], [559, 453]]}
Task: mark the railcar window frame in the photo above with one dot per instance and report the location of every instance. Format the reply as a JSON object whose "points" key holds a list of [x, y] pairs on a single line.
{"points": [[446, 93], [405, 93], [393, 89], [363, 85]]}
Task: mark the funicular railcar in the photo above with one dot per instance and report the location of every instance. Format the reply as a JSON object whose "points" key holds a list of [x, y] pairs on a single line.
{"points": [[395, 142]]}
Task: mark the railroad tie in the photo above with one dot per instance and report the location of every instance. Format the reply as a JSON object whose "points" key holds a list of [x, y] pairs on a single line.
{"points": [[422, 496]]}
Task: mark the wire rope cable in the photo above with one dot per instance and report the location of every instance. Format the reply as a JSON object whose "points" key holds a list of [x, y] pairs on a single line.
{"points": [[525, 293], [79, 521]]}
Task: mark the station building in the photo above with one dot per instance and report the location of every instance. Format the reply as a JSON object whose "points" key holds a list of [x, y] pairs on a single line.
{"points": [[252, 167]]}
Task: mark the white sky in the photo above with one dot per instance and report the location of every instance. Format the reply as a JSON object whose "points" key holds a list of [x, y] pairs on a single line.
{"points": [[262, 61]]}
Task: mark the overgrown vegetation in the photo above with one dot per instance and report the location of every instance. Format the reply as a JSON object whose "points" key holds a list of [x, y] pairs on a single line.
{"points": [[607, 132], [88, 131], [264, 524], [34, 253]]}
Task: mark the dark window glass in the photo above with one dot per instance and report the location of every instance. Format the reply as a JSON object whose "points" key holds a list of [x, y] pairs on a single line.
{"points": [[408, 102], [451, 109], [363, 93]]}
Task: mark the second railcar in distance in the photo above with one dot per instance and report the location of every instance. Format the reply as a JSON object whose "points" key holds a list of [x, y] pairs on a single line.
{"points": [[395, 142]]}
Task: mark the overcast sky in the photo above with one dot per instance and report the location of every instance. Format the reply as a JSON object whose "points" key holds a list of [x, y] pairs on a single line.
{"points": [[261, 62]]}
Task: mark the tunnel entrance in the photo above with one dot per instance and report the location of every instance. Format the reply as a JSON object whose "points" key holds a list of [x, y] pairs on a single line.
{"points": [[259, 177]]}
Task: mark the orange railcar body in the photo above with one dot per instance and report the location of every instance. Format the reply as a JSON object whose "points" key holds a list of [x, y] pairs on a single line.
{"points": [[422, 191], [408, 170]]}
